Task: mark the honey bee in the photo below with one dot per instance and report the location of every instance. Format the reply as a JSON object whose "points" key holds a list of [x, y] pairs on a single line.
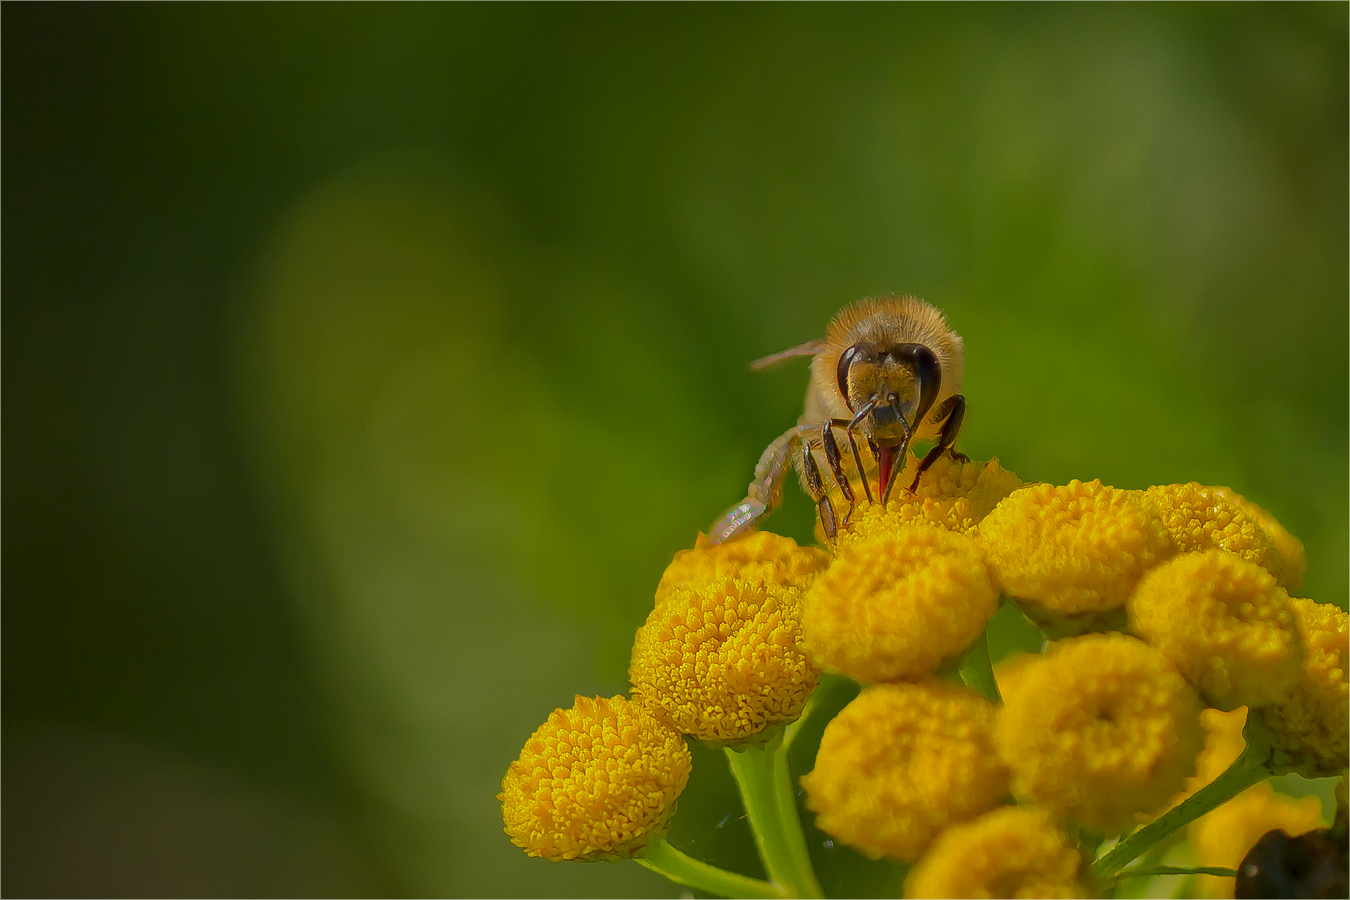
{"points": [[889, 370]]}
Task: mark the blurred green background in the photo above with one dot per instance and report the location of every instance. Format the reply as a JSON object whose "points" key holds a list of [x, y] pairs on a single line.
{"points": [[364, 365]]}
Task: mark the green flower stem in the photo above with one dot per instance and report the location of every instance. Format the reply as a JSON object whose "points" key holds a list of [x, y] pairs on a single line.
{"points": [[1150, 871], [1247, 770], [977, 672], [766, 792], [795, 726], [664, 859]]}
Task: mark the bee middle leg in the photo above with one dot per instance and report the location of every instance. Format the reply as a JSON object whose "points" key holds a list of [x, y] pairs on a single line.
{"points": [[835, 461], [836, 468], [816, 488], [953, 409]]}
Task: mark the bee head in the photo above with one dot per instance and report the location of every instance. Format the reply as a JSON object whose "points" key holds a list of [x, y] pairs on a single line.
{"points": [[895, 381]]}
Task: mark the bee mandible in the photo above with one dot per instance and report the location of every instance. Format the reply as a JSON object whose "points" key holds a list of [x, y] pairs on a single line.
{"points": [[888, 371]]}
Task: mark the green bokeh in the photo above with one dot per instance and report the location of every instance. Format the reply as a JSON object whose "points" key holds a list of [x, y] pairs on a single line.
{"points": [[364, 365]]}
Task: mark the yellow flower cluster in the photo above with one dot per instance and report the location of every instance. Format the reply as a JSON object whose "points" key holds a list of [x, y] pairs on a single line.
{"points": [[903, 761], [1016, 851], [1312, 727], [1225, 623], [897, 604], [597, 781], [722, 660], [1100, 729]]}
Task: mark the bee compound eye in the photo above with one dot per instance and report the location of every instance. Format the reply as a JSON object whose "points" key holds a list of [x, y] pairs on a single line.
{"points": [[853, 354]]}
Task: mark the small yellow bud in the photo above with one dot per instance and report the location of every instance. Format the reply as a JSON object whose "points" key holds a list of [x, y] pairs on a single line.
{"points": [[1203, 518], [757, 556], [722, 661], [902, 762], [1225, 623], [1293, 564], [1016, 851], [597, 781], [1074, 549], [897, 604], [1101, 728]]}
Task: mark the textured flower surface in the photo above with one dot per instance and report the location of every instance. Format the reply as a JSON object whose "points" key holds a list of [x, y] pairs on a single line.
{"points": [[1016, 851], [722, 660], [1204, 518], [1079, 548], [757, 556], [895, 605], [1223, 837], [1312, 727], [597, 781], [1226, 625], [900, 763], [1293, 560], [1102, 728], [955, 493]]}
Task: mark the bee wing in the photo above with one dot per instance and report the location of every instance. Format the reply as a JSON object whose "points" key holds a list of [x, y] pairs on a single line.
{"points": [[810, 348]]}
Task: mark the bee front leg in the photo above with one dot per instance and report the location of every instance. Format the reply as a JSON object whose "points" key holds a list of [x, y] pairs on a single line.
{"points": [[764, 493], [811, 474], [836, 462], [953, 409]]}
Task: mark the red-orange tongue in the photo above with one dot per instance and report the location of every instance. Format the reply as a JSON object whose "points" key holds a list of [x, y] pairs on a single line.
{"points": [[885, 460]]}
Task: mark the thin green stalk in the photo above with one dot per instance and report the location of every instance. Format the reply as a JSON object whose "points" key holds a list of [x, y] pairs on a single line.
{"points": [[664, 859], [1150, 871], [762, 775], [977, 671], [1247, 770], [794, 727]]}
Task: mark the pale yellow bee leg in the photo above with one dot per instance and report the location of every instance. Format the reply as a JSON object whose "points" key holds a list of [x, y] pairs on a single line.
{"points": [[765, 491]]}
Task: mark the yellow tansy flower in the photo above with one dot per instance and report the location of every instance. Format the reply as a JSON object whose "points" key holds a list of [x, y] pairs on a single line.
{"points": [[1223, 837], [1016, 851], [722, 661], [897, 604], [1101, 728], [1226, 625], [963, 491], [903, 761], [597, 781], [954, 493], [1312, 727], [1074, 549], [1293, 561], [1203, 518], [756, 556]]}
